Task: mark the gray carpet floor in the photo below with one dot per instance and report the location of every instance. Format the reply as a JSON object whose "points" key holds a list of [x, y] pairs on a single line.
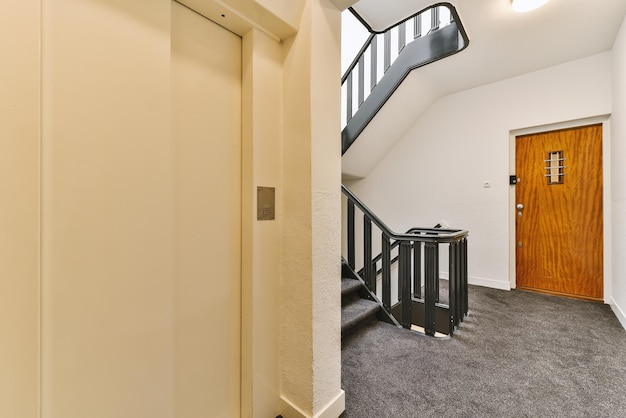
{"points": [[517, 354]]}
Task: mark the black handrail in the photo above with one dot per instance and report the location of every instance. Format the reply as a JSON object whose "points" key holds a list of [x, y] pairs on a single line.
{"points": [[418, 247], [373, 33], [413, 234]]}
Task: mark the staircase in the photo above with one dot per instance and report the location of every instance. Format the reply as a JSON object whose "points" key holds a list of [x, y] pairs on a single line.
{"points": [[409, 262], [355, 310], [401, 285], [359, 306], [387, 58]]}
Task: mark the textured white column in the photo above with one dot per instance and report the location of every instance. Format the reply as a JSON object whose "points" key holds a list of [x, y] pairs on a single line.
{"points": [[311, 342]]}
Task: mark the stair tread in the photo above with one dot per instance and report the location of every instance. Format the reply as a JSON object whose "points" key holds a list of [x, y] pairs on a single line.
{"points": [[357, 311], [349, 285]]}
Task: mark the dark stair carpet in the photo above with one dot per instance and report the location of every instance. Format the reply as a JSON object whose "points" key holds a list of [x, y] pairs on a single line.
{"points": [[355, 311], [349, 286]]}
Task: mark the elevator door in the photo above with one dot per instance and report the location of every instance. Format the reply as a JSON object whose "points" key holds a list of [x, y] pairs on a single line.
{"points": [[206, 147]]}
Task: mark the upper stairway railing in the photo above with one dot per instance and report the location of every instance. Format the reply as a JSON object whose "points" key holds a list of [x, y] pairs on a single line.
{"points": [[386, 59], [417, 275]]}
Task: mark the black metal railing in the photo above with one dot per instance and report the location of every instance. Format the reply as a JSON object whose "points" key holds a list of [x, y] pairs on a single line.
{"points": [[440, 34], [410, 262]]}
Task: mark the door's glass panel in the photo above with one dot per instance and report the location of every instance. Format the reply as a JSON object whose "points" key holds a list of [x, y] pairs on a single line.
{"points": [[555, 166]]}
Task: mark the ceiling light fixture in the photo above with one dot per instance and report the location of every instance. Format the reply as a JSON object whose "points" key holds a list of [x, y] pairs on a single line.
{"points": [[522, 6]]}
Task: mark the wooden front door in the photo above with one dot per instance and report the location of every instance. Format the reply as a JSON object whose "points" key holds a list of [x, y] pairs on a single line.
{"points": [[558, 212]]}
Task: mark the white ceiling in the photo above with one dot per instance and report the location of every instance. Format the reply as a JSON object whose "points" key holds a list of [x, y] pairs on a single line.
{"points": [[380, 14], [503, 44]]}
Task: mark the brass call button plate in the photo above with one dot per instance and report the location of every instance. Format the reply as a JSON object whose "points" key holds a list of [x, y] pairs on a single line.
{"points": [[265, 203]]}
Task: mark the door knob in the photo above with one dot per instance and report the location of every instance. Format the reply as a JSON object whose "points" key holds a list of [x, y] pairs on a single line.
{"points": [[520, 206]]}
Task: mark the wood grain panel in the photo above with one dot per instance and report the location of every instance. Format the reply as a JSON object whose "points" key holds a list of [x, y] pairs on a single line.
{"points": [[560, 228]]}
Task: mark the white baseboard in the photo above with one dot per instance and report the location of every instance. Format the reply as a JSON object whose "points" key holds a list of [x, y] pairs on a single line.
{"points": [[333, 409], [479, 281], [494, 284], [619, 313]]}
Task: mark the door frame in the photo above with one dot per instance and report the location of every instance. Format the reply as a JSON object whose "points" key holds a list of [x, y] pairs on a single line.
{"points": [[606, 191]]}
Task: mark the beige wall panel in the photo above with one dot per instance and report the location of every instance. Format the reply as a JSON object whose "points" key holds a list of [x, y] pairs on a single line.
{"points": [[262, 240], [206, 116], [107, 212], [19, 194]]}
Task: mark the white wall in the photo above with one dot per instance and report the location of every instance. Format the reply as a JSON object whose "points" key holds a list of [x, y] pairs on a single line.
{"points": [[436, 171], [618, 175], [353, 36]]}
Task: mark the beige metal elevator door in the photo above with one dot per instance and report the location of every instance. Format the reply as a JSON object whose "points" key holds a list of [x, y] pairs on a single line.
{"points": [[206, 127]]}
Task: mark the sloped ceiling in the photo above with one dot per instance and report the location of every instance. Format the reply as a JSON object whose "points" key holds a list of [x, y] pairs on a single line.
{"points": [[503, 44]]}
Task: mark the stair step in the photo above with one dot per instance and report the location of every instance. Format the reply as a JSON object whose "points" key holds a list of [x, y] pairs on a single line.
{"points": [[349, 285], [356, 313]]}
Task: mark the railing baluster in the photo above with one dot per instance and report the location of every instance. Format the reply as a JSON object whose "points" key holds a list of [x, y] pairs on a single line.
{"points": [[460, 289], [370, 278], [404, 278], [387, 50], [417, 26], [351, 245], [434, 18], [453, 283], [401, 37], [361, 80], [349, 97], [431, 270], [374, 63], [437, 278], [417, 270], [386, 252], [464, 285]]}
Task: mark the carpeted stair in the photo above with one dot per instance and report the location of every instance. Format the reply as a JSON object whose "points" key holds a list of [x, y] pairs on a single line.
{"points": [[355, 311]]}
